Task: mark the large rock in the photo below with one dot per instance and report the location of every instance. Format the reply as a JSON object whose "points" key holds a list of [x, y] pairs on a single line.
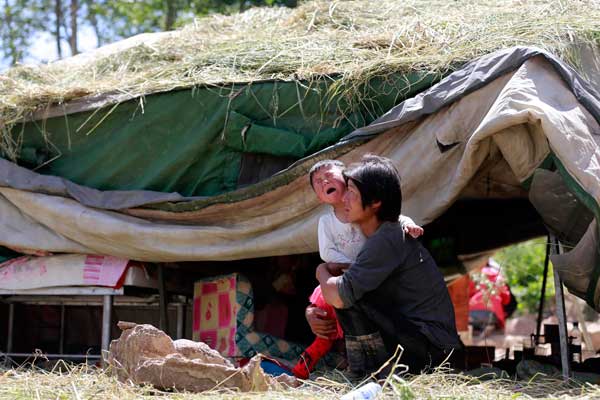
{"points": [[146, 355], [200, 350]]}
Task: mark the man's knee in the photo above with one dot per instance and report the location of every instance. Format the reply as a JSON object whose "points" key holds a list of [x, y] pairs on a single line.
{"points": [[355, 322]]}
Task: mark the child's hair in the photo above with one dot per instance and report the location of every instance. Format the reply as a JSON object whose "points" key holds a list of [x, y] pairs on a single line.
{"points": [[323, 164], [377, 179]]}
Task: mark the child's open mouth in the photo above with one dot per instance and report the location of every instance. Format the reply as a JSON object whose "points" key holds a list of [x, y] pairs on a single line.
{"points": [[330, 190]]}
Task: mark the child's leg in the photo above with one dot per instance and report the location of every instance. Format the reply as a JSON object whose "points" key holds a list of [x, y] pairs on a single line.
{"points": [[310, 357], [318, 300]]}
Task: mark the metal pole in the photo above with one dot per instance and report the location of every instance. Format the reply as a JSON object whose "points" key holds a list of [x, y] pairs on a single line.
{"points": [[163, 322], [538, 329], [11, 321], [180, 317], [61, 343], [51, 355], [562, 319], [106, 318]]}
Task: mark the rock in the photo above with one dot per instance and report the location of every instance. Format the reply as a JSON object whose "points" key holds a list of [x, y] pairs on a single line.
{"points": [[136, 345], [193, 350], [288, 380], [529, 369], [146, 355]]}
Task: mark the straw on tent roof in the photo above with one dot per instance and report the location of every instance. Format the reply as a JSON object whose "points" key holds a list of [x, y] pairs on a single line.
{"points": [[353, 40]]}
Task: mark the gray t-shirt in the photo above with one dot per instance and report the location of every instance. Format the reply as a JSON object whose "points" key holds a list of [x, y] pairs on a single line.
{"points": [[401, 282]]}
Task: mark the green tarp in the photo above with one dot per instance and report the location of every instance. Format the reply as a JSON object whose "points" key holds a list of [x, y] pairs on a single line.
{"points": [[192, 141]]}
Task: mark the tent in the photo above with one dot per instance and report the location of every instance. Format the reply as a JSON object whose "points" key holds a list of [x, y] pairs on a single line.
{"points": [[492, 150], [478, 136]]}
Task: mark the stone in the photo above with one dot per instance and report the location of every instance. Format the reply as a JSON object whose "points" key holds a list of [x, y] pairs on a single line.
{"points": [[200, 350], [146, 355]]}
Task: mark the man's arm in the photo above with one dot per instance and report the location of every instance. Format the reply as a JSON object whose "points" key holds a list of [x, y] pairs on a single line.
{"points": [[379, 257], [329, 286]]}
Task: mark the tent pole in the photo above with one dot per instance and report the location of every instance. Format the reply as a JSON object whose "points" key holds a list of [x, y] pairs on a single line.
{"points": [[562, 317], [61, 342], [538, 329], [11, 322], [162, 294]]}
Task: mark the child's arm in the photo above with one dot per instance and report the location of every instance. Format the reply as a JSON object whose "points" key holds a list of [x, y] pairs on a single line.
{"points": [[337, 269], [327, 248], [409, 226]]}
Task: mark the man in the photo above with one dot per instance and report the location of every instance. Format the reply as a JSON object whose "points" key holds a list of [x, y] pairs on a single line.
{"points": [[393, 294]]}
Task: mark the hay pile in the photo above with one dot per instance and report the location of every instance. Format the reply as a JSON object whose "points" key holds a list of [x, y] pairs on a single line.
{"points": [[83, 382], [351, 40]]}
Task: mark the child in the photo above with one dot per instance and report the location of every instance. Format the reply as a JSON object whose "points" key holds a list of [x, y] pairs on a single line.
{"points": [[339, 242]]}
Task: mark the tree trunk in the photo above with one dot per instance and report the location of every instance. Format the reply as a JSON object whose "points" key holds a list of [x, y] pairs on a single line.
{"points": [[92, 18], [12, 47], [58, 15], [73, 36], [171, 16]]}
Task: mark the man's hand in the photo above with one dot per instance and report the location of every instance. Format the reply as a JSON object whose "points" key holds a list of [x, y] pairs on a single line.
{"points": [[413, 230], [336, 269], [320, 323]]}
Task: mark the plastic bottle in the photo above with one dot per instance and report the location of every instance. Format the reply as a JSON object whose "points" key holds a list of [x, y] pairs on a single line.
{"points": [[366, 392], [575, 336]]}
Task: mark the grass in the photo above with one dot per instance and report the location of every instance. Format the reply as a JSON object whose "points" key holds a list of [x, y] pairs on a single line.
{"points": [[350, 42], [81, 381], [85, 382]]}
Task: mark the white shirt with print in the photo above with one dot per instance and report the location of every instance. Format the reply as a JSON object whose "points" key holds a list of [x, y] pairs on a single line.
{"points": [[340, 242]]}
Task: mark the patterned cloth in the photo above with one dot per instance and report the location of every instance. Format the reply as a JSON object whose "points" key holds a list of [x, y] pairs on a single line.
{"points": [[215, 310], [224, 319]]}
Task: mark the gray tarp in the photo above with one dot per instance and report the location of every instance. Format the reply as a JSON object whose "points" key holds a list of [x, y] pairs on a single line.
{"points": [[502, 114]]}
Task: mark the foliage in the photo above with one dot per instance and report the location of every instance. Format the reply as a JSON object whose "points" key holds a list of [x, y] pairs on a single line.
{"points": [[523, 266], [23, 20], [19, 20], [488, 287]]}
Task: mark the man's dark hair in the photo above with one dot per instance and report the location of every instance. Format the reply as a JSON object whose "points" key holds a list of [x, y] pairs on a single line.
{"points": [[377, 179], [323, 164]]}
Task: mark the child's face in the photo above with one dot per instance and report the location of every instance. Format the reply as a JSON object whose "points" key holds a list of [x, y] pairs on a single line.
{"points": [[329, 185]]}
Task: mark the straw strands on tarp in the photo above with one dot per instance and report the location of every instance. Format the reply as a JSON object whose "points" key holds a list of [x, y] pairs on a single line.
{"points": [[352, 41]]}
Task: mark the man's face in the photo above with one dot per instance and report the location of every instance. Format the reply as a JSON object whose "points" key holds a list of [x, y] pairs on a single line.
{"points": [[329, 185], [355, 213]]}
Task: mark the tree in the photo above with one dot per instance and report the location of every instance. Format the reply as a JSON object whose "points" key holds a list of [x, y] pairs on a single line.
{"points": [[110, 20], [19, 22], [57, 21], [523, 266]]}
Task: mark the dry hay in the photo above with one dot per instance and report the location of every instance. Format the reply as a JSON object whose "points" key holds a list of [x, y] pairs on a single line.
{"points": [[352, 41], [84, 382]]}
